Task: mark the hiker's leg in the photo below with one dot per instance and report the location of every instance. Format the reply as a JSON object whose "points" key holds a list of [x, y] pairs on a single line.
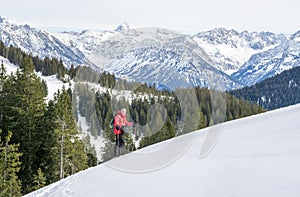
{"points": [[121, 140], [117, 146]]}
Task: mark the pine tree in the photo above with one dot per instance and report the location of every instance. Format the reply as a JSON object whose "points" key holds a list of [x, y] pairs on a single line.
{"points": [[108, 131], [71, 149], [49, 159], [108, 150], [72, 72], [129, 144], [10, 185], [166, 132], [45, 88], [24, 114], [91, 151], [3, 78], [39, 180]]}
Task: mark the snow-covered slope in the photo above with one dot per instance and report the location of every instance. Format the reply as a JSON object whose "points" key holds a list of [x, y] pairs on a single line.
{"points": [[53, 83], [84, 41], [38, 42], [230, 49], [220, 58], [159, 56], [268, 63], [9, 67], [254, 157]]}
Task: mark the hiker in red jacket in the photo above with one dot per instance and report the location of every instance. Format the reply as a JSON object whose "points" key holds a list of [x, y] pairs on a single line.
{"points": [[119, 122]]}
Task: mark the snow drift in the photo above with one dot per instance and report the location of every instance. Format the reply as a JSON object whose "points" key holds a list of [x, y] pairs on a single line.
{"points": [[254, 156]]}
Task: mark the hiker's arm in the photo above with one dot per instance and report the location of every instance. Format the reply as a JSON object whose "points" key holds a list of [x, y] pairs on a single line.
{"points": [[129, 123]]}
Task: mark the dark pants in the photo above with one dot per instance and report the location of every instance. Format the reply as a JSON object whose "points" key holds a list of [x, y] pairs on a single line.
{"points": [[119, 144], [119, 140]]}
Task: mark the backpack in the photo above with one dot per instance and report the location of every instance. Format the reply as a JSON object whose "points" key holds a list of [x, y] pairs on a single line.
{"points": [[112, 122]]}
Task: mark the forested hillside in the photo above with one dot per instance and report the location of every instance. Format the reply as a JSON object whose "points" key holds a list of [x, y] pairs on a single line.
{"points": [[48, 66], [161, 115], [41, 141], [276, 92]]}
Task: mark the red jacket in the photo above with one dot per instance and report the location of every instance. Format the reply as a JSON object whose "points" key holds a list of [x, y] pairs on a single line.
{"points": [[121, 121]]}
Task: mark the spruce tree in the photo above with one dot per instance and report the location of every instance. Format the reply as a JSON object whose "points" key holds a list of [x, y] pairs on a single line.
{"points": [[73, 157], [107, 150], [2, 92], [49, 159], [129, 144], [91, 151], [25, 111], [10, 185], [39, 179]]}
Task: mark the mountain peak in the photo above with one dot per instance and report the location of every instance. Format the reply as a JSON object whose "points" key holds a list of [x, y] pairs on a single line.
{"points": [[296, 36], [87, 32], [122, 27], [223, 31], [3, 19]]}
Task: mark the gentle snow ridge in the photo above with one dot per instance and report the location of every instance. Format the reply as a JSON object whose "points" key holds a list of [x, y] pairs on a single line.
{"points": [[255, 156]]}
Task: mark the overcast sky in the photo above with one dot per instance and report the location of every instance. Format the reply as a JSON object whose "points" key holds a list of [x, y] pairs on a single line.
{"points": [[187, 16]]}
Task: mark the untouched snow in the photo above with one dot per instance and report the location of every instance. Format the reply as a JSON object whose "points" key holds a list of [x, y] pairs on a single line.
{"points": [[10, 68], [226, 54], [97, 142], [255, 156], [53, 83]]}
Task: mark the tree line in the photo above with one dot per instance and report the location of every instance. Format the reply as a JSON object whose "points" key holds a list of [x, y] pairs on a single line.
{"points": [[182, 114], [47, 66]]}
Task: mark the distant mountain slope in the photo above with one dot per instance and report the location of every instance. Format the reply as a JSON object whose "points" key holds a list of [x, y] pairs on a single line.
{"points": [[275, 92], [230, 49], [255, 156], [159, 56], [266, 64], [39, 42], [220, 58]]}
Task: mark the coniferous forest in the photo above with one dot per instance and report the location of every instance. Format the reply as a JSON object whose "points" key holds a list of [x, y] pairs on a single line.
{"points": [[40, 141], [279, 91]]}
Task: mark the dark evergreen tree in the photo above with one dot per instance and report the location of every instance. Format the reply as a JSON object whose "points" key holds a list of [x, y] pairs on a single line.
{"points": [[24, 118], [3, 78], [39, 179], [72, 72], [91, 152], [49, 145], [108, 150], [72, 155], [10, 185]]}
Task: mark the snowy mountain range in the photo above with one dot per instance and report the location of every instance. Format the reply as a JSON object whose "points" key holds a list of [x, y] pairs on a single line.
{"points": [[221, 59], [38, 42], [251, 157], [260, 66]]}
